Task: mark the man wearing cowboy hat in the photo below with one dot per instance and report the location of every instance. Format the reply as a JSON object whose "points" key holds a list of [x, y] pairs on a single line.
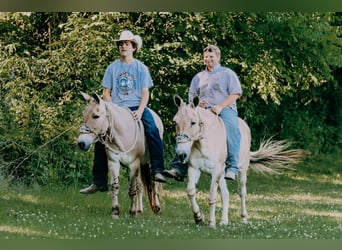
{"points": [[126, 82]]}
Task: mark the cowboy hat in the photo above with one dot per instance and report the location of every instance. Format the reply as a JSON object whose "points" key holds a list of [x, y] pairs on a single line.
{"points": [[127, 35]]}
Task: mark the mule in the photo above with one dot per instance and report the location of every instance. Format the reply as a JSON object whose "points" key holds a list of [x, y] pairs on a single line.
{"points": [[125, 144], [201, 143]]}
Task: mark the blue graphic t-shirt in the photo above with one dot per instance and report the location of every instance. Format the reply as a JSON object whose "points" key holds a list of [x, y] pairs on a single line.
{"points": [[126, 82]]}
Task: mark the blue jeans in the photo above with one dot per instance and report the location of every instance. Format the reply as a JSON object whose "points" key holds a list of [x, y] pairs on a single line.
{"points": [[100, 165], [180, 167], [154, 142], [231, 122]]}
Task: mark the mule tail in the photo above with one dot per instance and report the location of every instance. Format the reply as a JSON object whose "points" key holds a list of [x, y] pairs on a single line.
{"points": [[274, 156], [149, 187]]}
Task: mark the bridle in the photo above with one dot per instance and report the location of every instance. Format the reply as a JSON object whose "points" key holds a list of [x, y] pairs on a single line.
{"points": [[86, 129], [184, 138]]}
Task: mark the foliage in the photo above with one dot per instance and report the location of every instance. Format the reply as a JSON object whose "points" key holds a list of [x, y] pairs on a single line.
{"points": [[289, 65]]}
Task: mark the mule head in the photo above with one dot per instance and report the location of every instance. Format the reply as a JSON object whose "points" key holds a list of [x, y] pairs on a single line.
{"points": [[95, 123], [188, 127]]}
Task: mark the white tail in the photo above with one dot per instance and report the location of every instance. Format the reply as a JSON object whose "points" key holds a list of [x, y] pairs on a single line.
{"points": [[273, 156]]}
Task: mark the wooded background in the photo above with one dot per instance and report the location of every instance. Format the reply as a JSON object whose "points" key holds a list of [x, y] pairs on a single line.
{"points": [[289, 64]]}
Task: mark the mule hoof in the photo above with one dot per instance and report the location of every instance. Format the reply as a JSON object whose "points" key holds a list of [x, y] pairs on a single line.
{"points": [[139, 212], [115, 212], [224, 223], [156, 209], [132, 213], [244, 221], [212, 225], [199, 218], [115, 216], [199, 222]]}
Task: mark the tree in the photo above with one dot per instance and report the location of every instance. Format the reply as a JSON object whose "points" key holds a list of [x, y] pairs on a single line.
{"points": [[289, 64]]}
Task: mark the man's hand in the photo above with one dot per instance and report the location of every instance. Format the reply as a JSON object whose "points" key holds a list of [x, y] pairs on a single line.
{"points": [[137, 114], [216, 109]]}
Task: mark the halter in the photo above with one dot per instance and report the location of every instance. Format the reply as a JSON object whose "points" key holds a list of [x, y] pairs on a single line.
{"points": [[85, 129]]}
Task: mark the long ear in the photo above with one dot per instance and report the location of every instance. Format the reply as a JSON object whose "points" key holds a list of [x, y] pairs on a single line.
{"points": [[86, 96], [178, 100], [97, 98], [195, 101]]}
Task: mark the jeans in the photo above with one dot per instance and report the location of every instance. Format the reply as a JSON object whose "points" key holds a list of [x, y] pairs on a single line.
{"points": [[154, 142], [231, 123], [100, 165], [180, 167]]}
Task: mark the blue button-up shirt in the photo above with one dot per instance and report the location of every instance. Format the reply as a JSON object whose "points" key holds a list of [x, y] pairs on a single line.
{"points": [[214, 87]]}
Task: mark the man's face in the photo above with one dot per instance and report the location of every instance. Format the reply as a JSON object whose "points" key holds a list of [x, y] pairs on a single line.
{"points": [[126, 48], [210, 59]]}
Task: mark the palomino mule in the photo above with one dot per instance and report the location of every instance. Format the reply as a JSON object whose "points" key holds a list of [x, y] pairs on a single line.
{"points": [[124, 139], [201, 143]]}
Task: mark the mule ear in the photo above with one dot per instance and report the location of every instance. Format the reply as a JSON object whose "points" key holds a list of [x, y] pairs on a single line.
{"points": [[96, 97], [195, 101], [178, 100], [86, 96]]}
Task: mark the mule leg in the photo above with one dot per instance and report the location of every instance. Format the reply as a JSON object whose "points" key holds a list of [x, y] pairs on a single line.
{"points": [[139, 195], [213, 200], [132, 191], [156, 189], [193, 176], [114, 170], [225, 201], [243, 194]]}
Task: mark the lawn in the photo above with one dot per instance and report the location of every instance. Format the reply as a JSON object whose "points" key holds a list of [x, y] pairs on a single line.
{"points": [[301, 204]]}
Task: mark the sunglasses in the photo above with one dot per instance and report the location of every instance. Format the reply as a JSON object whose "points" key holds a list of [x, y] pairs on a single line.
{"points": [[211, 48]]}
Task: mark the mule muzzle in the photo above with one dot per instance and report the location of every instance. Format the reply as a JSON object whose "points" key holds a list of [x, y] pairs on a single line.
{"points": [[182, 157], [183, 147], [83, 145], [85, 141]]}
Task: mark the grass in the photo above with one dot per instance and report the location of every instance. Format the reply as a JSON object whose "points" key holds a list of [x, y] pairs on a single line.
{"points": [[301, 204]]}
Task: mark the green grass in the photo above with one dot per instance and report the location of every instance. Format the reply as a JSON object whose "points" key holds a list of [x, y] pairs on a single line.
{"points": [[301, 204]]}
